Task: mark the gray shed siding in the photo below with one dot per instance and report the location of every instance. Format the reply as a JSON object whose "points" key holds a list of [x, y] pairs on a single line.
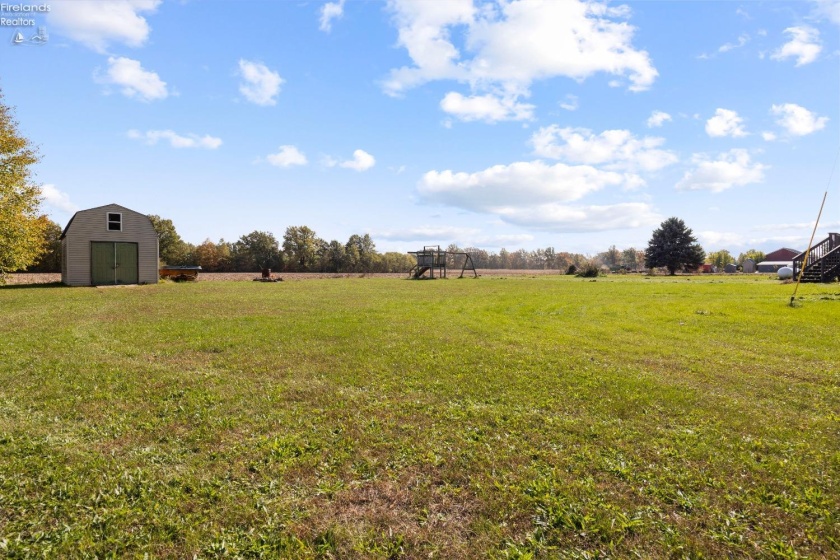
{"points": [[91, 225]]}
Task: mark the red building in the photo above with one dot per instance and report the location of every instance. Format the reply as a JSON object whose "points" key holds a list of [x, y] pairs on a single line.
{"points": [[783, 254]]}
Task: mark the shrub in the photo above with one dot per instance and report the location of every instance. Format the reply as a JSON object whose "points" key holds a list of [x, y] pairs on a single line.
{"points": [[589, 271]]}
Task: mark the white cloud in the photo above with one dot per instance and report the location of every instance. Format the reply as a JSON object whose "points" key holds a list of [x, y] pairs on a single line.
{"points": [[152, 137], [261, 85], [804, 45], [517, 184], [657, 119], [362, 161], [488, 108], [423, 31], [427, 233], [57, 199], [329, 12], [134, 80], [768, 136], [536, 195], [730, 169], [784, 240], [96, 24], [805, 226], [725, 123], [829, 9], [616, 149], [564, 218], [464, 237], [712, 240], [501, 240], [571, 103], [742, 40], [509, 45], [797, 120], [287, 156]]}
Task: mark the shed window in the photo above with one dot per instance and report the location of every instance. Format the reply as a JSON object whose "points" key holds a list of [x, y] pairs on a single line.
{"points": [[114, 221]]}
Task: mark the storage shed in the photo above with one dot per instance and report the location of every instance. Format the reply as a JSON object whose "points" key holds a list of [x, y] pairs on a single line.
{"points": [[109, 245], [772, 266]]}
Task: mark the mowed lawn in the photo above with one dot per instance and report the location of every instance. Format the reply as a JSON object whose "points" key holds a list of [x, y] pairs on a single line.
{"points": [[545, 417]]}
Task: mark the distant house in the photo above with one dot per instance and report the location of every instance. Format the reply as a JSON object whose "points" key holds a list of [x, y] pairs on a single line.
{"points": [[783, 254], [748, 266], [777, 259], [109, 245]]}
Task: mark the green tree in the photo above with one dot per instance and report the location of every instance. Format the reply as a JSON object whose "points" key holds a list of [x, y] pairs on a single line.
{"points": [[170, 245], [300, 245], [630, 259], [21, 230], [753, 254], [719, 259], [50, 259], [258, 249], [480, 257], [519, 260], [504, 258], [550, 256], [362, 251], [226, 256], [334, 258], [394, 262], [674, 247], [611, 257]]}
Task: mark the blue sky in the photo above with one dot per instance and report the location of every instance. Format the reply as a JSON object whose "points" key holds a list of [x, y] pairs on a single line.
{"points": [[518, 124]]}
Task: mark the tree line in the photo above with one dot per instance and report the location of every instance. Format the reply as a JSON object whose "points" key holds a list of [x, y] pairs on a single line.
{"points": [[301, 250]]}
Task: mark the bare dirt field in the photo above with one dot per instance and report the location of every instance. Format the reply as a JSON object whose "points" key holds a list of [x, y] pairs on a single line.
{"points": [[30, 278]]}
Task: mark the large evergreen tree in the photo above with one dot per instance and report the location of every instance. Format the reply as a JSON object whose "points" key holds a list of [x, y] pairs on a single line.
{"points": [[21, 230], [673, 246]]}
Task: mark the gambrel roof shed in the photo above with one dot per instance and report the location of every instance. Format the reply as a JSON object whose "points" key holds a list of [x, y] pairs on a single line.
{"points": [[109, 244]]}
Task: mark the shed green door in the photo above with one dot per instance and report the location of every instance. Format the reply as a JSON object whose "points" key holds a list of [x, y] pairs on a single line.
{"points": [[126, 263], [113, 263]]}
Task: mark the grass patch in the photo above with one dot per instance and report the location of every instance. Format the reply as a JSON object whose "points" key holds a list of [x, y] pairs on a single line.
{"points": [[375, 418]]}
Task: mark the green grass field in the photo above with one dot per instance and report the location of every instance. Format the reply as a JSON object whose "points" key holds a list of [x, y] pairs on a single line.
{"points": [[547, 417]]}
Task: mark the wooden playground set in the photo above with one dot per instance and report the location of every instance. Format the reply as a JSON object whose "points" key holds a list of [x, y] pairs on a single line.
{"points": [[432, 258]]}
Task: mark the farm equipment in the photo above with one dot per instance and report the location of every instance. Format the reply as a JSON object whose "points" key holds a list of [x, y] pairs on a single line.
{"points": [[180, 273]]}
